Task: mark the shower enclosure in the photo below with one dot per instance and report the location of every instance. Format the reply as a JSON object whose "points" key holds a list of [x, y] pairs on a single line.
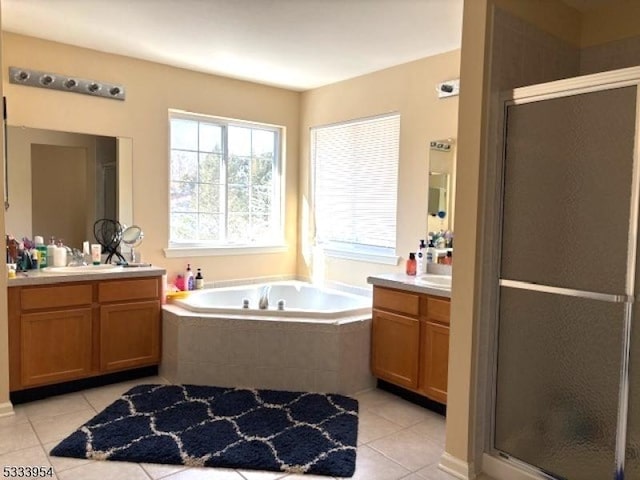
{"points": [[567, 397]]}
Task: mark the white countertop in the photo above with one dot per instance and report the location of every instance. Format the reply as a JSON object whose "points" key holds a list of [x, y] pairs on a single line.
{"points": [[402, 281], [41, 277]]}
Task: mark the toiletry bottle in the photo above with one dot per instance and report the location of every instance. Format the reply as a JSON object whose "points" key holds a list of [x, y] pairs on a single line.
{"points": [[42, 251], [199, 280], [51, 248], [421, 260], [96, 253], [411, 264], [60, 255], [448, 260], [188, 278], [179, 283], [35, 262]]}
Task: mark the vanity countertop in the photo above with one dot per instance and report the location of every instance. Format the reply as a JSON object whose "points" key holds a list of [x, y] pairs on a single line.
{"points": [[402, 281], [38, 277]]}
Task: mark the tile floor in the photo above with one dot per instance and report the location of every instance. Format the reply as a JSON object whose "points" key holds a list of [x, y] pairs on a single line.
{"points": [[396, 440]]}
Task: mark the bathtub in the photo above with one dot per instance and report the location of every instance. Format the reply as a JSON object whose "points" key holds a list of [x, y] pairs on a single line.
{"points": [[301, 300], [319, 342]]}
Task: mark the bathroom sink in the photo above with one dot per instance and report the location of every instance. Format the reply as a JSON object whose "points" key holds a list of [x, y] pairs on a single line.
{"points": [[102, 268], [433, 280]]}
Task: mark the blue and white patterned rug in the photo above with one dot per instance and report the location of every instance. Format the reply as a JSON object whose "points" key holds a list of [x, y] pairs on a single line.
{"points": [[203, 426]]}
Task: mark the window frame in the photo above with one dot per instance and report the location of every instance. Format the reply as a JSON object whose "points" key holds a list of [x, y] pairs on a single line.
{"points": [[276, 243], [344, 249]]}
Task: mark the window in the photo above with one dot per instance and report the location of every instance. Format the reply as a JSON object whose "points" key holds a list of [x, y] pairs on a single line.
{"points": [[355, 187], [225, 187]]}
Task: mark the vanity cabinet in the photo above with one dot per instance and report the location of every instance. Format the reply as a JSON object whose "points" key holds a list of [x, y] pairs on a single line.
{"points": [[410, 341], [69, 331]]}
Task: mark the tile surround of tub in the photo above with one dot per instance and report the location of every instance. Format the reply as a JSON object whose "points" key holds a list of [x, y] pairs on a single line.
{"points": [[266, 353], [396, 440]]}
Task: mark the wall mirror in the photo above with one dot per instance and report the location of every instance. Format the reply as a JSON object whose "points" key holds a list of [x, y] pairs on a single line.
{"points": [[60, 183], [440, 201]]}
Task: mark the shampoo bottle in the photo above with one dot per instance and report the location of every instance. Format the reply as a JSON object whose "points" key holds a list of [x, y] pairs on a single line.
{"points": [[189, 282]]}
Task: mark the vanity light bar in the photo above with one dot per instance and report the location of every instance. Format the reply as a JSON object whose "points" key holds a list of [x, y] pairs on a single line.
{"points": [[65, 83]]}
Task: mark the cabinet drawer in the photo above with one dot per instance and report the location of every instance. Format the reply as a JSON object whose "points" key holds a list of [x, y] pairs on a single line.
{"points": [[55, 297], [403, 302], [120, 290], [437, 309]]}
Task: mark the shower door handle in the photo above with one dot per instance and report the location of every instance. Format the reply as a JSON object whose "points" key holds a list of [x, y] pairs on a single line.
{"points": [[570, 292]]}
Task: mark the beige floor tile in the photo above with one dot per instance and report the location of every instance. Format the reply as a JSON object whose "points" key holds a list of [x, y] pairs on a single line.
{"points": [[372, 426], [371, 464], [261, 475], [19, 416], [157, 470], [432, 472], [301, 476], [17, 437], [375, 396], [205, 474], [107, 470], [62, 463], [408, 449], [50, 407], [56, 428], [33, 456], [401, 412], [413, 476], [433, 428]]}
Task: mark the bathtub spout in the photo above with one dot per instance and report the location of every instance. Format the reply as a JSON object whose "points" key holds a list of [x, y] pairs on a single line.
{"points": [[263, 303]]}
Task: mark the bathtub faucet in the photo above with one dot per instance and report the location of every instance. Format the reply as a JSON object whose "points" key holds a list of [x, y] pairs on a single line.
{"points": [[263, 303]]}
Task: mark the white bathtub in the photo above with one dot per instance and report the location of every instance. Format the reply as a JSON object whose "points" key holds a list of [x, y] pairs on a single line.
{"points": [[301, 300], [319, 342]]}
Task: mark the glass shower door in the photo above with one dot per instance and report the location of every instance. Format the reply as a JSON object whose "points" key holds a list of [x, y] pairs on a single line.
{"points": [[566, 281]]}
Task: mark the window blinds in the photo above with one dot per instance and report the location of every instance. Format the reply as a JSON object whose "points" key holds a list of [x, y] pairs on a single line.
{"points": [[356, 181]]}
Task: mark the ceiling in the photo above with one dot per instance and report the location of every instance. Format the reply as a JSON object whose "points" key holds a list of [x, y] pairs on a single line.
{"points": [[296, 44]]}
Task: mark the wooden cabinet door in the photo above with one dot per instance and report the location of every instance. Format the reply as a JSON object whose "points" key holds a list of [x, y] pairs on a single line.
{"points": [[434, 360], [394, 348], [129, 335], [55, 346]]}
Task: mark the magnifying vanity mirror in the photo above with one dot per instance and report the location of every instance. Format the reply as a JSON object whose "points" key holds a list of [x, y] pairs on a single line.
{"points": [[61, 182], [440, 202], [132, 236]]}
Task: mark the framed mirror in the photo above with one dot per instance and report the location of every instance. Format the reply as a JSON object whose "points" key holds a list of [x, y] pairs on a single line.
{"points": [[440, 200], [60, 183]]}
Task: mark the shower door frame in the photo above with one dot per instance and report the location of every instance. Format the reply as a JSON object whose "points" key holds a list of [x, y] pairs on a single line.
{"points": [[494, 462]]}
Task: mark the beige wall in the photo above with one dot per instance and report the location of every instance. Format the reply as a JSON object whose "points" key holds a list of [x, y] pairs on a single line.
{"points": [[5, 405], [151, 90], [614, 20], [410, 90]]}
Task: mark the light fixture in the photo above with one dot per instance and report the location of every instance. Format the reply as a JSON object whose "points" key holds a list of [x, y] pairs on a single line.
{"points": [[65, 83]]}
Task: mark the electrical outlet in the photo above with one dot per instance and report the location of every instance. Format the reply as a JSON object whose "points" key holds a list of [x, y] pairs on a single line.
{"points": [[448, 88]]}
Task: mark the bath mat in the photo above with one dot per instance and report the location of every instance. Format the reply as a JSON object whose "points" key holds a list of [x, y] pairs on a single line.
{"points": [[203, 426]]}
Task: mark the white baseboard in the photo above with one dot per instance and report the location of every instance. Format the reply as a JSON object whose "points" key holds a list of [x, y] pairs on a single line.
{"points": [[456, 467], [6, 409]]}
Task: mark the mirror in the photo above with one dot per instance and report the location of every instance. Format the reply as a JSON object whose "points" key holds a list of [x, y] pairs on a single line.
{"points": [[61, 182], [440, 201], [132, 236]]}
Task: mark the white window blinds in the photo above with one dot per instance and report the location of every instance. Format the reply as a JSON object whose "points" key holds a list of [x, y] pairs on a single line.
{"points": [[356, 182]]}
